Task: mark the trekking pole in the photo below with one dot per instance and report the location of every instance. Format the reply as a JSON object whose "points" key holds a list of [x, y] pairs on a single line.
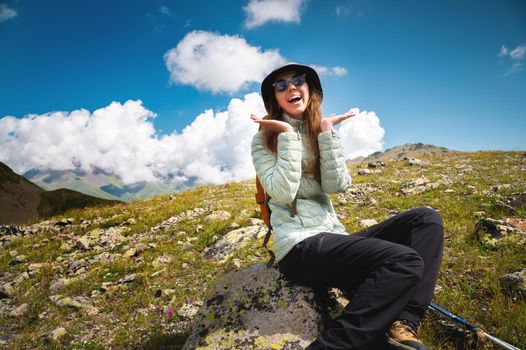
{"points": [[471, 327]]}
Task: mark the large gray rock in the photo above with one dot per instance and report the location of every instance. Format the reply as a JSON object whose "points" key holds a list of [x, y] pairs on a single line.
{"points": [[255, 308], [493, 233], [514, 283]]}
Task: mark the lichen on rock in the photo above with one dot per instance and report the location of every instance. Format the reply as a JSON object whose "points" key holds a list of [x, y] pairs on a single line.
{"points": [[256, 308], [492, 233]]}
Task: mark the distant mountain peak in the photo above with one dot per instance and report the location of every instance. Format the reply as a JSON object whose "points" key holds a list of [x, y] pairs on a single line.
{"points": [[406, 150]]}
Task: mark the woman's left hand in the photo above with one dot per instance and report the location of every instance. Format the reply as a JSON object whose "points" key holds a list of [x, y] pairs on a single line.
{"points": [[333, 120]]}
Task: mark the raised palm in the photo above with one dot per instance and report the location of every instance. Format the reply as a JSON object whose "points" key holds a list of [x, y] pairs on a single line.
{"points": [[272, 124], [334, 119]]}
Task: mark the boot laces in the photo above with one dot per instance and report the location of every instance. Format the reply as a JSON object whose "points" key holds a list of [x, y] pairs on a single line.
{"points": [[404, 329]]}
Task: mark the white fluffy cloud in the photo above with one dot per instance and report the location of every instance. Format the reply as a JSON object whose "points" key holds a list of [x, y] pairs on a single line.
{"points": [[516, 56], [362, 134], [260, 12], [6, 13], [219, 63], [121, 139], [224, 63]]}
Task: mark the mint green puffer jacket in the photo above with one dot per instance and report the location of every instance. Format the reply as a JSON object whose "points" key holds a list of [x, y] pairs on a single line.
{"points": [[282, 177]]}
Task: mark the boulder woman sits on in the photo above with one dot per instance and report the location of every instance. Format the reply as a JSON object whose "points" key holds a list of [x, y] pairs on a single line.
{"points": [[389, 270]]}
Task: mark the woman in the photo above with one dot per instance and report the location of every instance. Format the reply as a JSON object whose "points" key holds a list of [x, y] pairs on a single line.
{"points": [[389, 270]]}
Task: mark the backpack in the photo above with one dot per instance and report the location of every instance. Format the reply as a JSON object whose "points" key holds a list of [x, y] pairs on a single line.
{"points": [[262, 199]]}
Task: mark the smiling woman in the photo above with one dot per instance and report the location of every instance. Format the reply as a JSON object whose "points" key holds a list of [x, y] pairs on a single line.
{"points": [[389, 269]]}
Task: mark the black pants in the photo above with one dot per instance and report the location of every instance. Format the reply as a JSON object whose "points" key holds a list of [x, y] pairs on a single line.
{"points": [[389, 271]]}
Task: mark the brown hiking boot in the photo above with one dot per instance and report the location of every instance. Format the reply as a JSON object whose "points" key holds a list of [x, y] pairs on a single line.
{"points": [[402, 335]]}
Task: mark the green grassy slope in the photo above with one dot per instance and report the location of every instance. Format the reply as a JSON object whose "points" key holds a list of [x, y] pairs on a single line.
{"points": [[168, 271]]}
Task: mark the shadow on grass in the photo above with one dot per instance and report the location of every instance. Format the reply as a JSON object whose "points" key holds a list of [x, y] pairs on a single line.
{"points": [[164, 342]]}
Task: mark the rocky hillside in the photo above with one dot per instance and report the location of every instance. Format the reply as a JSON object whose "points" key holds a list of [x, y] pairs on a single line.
{"points": [[409, 150], [22, 201], [155, 274]]}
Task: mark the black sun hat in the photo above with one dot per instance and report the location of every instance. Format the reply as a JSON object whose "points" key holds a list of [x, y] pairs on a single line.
{"points": [[267, 90]]}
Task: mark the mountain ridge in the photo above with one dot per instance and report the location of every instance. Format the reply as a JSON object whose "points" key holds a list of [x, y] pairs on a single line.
{"points": [[401, 151], [22, 200], [98, 183]]}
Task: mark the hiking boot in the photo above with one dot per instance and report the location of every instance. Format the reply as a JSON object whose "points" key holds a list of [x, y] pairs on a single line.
{"points": [[402, 335]]}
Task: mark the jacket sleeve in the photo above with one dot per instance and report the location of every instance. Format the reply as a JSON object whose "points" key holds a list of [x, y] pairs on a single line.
{"points": [[279, 174], [333, 168]]}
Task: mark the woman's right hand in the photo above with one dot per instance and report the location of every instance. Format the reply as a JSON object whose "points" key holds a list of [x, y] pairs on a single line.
{"points": [[271, 124]]}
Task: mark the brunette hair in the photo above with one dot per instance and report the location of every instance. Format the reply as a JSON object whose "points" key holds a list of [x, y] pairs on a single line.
{"points": [[312, 117]]}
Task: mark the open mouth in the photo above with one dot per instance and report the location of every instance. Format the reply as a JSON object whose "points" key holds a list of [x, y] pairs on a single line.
{"points": [[294, 99]]}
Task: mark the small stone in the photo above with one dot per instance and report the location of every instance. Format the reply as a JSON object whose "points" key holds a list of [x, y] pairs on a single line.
{"points": [[162, 260], [130, 221], [342, 216], [168, 292], [77, 303], [188, 311], [141, 247], [130, 253], [96, 233], [58, 333], [368, 172], [9, 289], [220, 215], [184, 266], [157, 273], [65, 222], [22, 277], [255, 222], [81, 271], [414, 161], [19, 311], [66, 247], [376, 165], [368, 222], [83, 242], [234, 225], [18, 260], [128, 278], [237, 263]]}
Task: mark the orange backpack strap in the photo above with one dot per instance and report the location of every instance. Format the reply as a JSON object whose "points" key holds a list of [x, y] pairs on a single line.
{"points": [[262, 199]]}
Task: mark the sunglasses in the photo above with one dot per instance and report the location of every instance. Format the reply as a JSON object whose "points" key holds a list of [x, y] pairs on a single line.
{"points": [[297, 80]]}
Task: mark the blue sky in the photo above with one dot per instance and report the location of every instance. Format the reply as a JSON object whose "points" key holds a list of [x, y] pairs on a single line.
{"points": [[449, 73]]}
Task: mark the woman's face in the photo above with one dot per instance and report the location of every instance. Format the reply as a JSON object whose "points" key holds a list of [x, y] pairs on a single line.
{"points": [[294, 99]]}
